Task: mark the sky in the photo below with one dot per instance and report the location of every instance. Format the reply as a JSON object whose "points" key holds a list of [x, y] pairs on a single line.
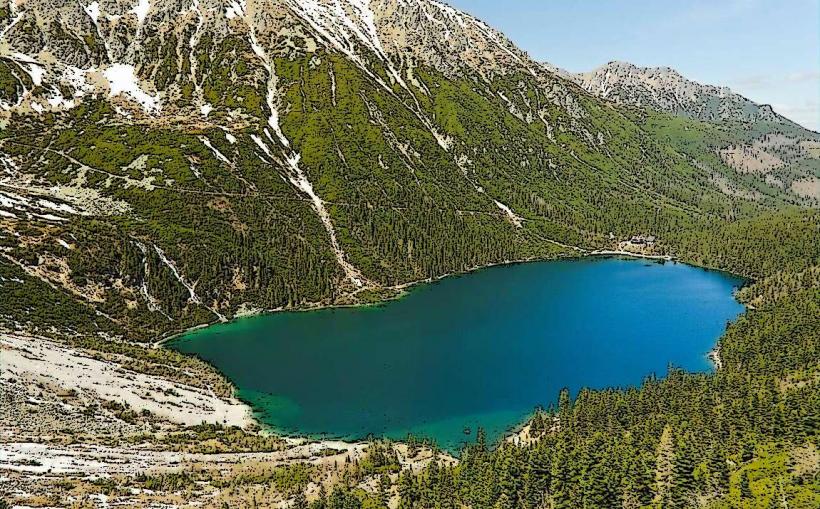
{"points": [[766, 50]]}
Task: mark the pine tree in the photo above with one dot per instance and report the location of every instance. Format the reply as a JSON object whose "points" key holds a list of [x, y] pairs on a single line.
{"points": [[745, 489], [384, 489], [559, 479], [321, 502]]}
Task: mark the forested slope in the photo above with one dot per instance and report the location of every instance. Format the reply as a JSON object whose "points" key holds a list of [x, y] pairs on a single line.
{"points": [[745, 436]]}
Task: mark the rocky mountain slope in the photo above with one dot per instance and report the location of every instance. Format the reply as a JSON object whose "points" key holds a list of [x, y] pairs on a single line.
{"points": [[664, 89], [170, 163], [753, 143]]}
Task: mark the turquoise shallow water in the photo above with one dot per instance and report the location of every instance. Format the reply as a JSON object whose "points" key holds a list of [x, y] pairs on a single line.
{"points": [[483, 349]]}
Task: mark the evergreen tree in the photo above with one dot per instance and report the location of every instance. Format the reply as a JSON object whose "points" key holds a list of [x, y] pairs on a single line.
{"points": [[745, 489]]}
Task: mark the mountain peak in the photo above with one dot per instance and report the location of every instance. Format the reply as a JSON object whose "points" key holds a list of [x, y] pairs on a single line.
{"points": [[665, 89]]}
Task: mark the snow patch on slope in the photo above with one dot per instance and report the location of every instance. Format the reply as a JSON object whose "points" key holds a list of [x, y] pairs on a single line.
{"points": [[219, 155], [235, 9], [76, 78], [151, 302], [93, 11], [122, 79], [193, 297], [270, 96], [34, 69], [513, 217], [18, 15], [57, 101], [205, 108], [141, 10], [261, 144], [32, 206]]}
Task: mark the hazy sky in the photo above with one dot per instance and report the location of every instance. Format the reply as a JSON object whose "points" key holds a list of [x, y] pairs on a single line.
{"points": [[767, 50]]}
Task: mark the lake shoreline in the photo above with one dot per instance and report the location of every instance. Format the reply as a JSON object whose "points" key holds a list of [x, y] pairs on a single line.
{"points": [[401, 291]]}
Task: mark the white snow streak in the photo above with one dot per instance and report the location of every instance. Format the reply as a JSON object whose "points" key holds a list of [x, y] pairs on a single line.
{"points": [[235, 9], [219, 155], [31, 66], [150, 301], [261, 144], [193, 297], [204, 108], [270, 97], [17, 17], [514, 218], [33, 207], [173, 266]]}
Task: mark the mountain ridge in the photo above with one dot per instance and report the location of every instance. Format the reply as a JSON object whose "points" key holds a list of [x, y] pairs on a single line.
{"points": [[665, 89]]}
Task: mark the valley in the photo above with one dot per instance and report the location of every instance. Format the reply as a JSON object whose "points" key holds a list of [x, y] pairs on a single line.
{"points": [[166, 166]]}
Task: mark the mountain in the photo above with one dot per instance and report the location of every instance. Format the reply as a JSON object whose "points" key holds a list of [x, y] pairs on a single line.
{"points": [[95, 47], [261, 154], [664, 89], [752, 142], [268, 154]]}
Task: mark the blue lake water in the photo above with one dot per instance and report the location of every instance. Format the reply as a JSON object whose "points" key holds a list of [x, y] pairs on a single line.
{"points": [[483, 349]]}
